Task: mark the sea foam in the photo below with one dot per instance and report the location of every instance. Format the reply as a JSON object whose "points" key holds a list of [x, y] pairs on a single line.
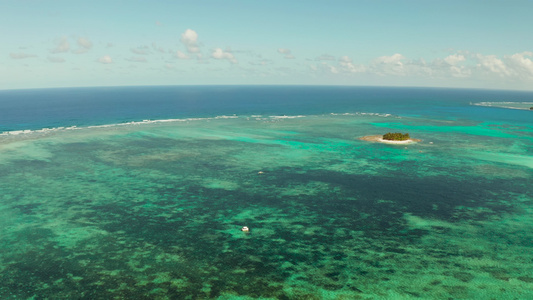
{"points": [[47, 130]]}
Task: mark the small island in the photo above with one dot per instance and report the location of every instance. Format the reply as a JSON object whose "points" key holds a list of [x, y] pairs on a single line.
{"points": [[397, 136], [391, 138]]}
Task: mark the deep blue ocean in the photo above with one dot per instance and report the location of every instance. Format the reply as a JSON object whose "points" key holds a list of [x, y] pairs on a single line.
{"points": [[49, 108]]}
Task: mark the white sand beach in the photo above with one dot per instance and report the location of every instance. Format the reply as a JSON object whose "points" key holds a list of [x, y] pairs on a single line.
{"points": [[379, 138]]}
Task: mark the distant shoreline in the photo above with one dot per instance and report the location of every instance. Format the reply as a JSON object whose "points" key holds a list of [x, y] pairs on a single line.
{"points": [[379, 138], [524, 105]]}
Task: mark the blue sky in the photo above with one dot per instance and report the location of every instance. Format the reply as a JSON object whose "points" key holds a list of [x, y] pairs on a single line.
{"points": [[470, 44]]}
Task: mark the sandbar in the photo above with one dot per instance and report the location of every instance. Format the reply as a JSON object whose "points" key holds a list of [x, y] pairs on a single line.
{"points": [[379, 138]]}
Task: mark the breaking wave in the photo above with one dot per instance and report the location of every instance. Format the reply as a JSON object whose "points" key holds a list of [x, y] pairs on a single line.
{"points": [[273, 118]]}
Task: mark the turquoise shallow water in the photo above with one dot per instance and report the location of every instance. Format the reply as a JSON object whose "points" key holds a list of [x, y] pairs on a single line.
{"points": [[154, 210]]}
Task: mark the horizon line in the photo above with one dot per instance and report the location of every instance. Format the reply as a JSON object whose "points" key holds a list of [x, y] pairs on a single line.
{"points": [[270, 85]]}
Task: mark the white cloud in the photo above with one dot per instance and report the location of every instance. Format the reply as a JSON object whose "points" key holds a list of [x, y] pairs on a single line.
{"points": [[493, 64], [190, 39], [56, 59], [324, 68], [390, 65], [520, 64], [454, 59], [85, 43], [332, 69], [451, 65], [418, 68], [449, 70], [395, 59], [286, 52], [181, 55], [21, 55], [62, 46], [220, 54], [517, 66], [346, 65], [460, 71], [106, 59]]}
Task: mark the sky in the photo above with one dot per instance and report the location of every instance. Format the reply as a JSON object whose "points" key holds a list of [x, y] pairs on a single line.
{"points": [[463, 44]]}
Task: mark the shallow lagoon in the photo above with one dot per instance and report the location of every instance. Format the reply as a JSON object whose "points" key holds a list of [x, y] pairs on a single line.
{"points": [[154, 210]]}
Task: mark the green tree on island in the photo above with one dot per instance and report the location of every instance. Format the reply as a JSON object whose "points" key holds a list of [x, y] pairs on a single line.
{"points": [[396, 136]]}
